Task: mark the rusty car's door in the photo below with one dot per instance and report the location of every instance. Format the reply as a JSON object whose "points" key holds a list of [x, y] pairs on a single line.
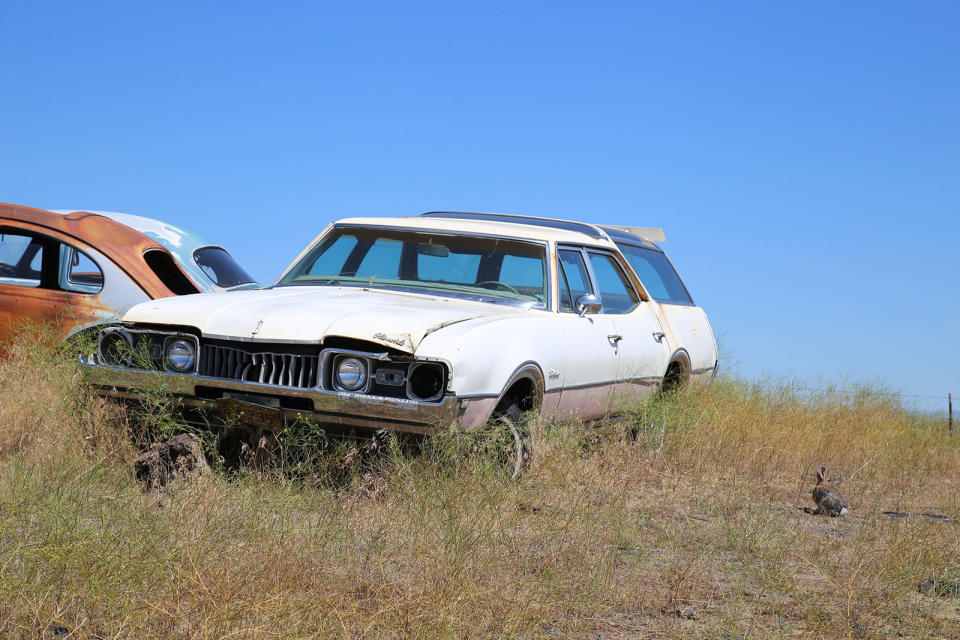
{"points": [[47, 279]]}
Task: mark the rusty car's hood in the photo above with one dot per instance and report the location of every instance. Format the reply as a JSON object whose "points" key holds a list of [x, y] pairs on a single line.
{"points": [[394, 319]]}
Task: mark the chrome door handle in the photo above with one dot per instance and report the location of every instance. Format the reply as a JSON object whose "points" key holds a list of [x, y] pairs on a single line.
{"points": [[659, 336], [614, 337]]}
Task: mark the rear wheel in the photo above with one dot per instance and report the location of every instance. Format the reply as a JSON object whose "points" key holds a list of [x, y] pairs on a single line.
{"points": [[674, 379]]}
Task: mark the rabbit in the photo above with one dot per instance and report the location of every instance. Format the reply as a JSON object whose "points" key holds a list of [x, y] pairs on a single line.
{"points": [[829, 500]]}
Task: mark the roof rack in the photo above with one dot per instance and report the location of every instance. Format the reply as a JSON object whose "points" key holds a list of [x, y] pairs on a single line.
{"points": [[568, 225], [603, 232]]}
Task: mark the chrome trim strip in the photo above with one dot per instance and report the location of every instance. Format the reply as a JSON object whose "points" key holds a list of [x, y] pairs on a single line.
{"points": [[215, 336]]}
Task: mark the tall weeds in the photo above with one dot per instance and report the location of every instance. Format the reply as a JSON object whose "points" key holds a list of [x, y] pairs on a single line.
{"points": [[688, 503]]}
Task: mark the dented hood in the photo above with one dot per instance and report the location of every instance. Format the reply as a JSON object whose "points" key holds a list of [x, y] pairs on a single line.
{"points": [[394, 319]]}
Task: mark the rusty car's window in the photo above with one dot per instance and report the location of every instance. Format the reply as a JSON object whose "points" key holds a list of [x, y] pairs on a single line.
{"points": [[574, 281], [488, 269], [616, 292], [21, 258], [657, 275], [78, 272], [165, 268], [220, 267]]}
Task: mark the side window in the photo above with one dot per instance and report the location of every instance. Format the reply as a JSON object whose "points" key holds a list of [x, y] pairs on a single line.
{"points": [[657, 275], [574, 281], [78, 272], [21, 259], [165, 268], [615, 290]]}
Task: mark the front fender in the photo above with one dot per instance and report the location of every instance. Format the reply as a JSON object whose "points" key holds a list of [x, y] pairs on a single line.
{"points": [[487, 355]]}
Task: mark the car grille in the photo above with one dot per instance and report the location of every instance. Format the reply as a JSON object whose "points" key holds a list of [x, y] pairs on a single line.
{"points": [[281, 369]]}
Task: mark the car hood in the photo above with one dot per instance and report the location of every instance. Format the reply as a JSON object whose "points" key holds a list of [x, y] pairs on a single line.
{"points": [[398, 320]]}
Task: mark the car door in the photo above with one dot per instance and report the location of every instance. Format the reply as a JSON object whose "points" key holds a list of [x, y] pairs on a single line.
{"points": [[592, 352], [643, 350], [44, 279], [685, 324]]}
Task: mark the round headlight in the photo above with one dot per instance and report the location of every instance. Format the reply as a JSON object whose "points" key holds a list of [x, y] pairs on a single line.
{"points": [[180, 355], [115, 348], [425, 381], [351, 374]]}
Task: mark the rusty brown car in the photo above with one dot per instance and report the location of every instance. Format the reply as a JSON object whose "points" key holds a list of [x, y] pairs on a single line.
{"points": [[76, 269]]}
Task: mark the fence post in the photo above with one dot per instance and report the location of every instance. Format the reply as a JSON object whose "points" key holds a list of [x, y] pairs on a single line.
{"points": [[950, 410]]}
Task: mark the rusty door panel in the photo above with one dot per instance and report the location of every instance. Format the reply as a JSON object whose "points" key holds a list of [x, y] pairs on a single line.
{"points": [[63, 309]]}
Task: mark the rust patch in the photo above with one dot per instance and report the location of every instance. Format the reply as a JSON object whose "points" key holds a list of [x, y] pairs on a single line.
{"points": [[58, 309]]}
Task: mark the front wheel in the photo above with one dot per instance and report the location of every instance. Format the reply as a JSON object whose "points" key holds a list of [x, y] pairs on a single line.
{"points": [[516, 450]]}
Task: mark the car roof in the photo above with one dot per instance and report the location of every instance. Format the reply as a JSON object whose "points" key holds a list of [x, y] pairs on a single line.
{"points": [[173, 238], [511, 225], [124, 245]]}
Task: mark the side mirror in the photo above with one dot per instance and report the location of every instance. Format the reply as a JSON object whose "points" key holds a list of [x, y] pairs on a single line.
{"points": [[589, 303]]}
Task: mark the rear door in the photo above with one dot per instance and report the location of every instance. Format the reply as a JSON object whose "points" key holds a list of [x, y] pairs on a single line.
{"points": [[685, 324], [46, 279], [643, 352]]}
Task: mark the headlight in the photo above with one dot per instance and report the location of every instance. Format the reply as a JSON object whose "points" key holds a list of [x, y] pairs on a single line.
{"points": [[351, 374], [115, 348], [425, 381], [180, 354]]}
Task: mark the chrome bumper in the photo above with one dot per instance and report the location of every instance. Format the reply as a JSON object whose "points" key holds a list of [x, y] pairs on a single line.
{"points": [[330, 408]]}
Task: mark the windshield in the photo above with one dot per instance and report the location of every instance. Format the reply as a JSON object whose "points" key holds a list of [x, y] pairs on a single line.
{"points": [[220, 267], [491, 269]]}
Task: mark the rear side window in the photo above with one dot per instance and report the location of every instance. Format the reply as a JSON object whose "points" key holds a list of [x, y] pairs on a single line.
{"points": [[163, 266], [21, 259], [657, 275], [78, 272]]}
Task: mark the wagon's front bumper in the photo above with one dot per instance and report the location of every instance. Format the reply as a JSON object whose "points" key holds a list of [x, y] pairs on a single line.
{"points": [[336, 409]]}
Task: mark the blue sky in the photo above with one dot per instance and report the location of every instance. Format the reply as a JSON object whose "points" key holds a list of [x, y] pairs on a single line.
{"points": [[803, 159]]}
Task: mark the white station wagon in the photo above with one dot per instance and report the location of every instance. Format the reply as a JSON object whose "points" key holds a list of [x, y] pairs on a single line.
{"points": [[411, 324]]}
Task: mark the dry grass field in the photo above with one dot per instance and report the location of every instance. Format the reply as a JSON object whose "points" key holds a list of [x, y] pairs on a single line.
{"points": [[679, 520]]}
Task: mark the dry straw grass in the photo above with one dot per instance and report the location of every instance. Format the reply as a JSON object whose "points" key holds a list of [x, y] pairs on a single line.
{"points": [[608, 535]]}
